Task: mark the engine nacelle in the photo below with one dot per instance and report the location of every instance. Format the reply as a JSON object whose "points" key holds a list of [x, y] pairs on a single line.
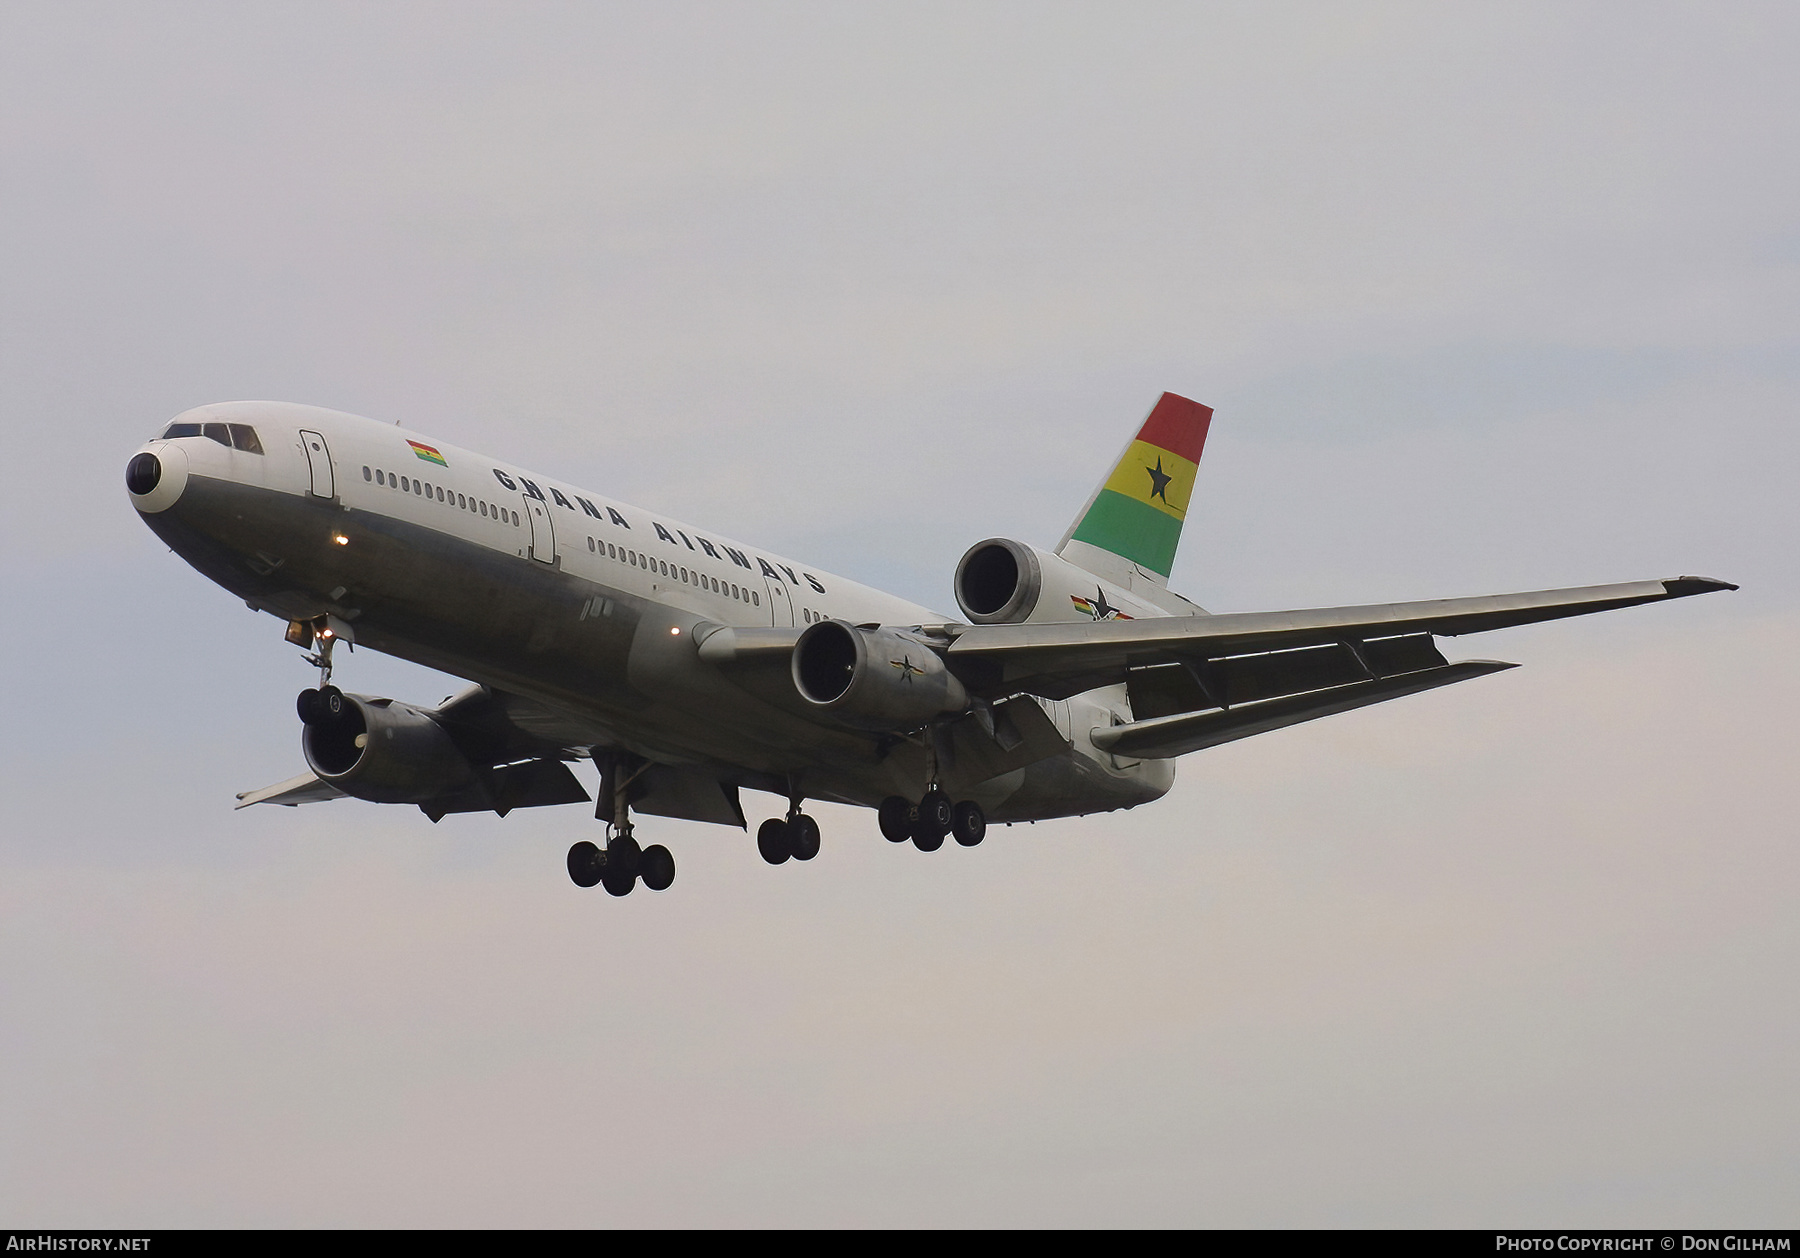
{"points": [[874, 679], [1003, 582], [384, 751]]}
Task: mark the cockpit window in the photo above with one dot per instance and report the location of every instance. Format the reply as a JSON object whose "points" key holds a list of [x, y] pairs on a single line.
{"points": [[243, 437], [216, 432], [180, 430]]}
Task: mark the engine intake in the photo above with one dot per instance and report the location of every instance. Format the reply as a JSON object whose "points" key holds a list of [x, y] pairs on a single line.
{"points": [[874, 679], [383, 751], [999, 581]]}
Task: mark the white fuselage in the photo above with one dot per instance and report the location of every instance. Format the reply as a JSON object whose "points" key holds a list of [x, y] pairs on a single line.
{"points": [[583, 604]]}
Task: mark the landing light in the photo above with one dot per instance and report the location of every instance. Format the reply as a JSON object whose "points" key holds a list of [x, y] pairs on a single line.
{"points": [[340, 539], [675, 631]]}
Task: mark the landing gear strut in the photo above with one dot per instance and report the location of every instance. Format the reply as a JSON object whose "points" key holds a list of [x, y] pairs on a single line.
{"points": [[621, 864]]}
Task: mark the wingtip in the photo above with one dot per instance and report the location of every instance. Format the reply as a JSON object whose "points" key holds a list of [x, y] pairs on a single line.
{"points": [[1681, 587]]}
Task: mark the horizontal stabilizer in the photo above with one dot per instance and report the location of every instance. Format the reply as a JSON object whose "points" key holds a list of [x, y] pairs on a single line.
{"points": [[305, 789], [1177, 735]]}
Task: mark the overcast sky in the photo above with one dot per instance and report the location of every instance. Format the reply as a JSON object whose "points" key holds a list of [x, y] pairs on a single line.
{"points": [[1486, 297]]}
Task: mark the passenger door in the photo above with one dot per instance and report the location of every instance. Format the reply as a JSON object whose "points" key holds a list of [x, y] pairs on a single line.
{"points": [[318, 459], [781, 605], [543, 532]]}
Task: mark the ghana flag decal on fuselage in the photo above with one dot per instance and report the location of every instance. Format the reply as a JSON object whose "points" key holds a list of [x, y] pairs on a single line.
{"points": [[428, 453], [1139, 510]]}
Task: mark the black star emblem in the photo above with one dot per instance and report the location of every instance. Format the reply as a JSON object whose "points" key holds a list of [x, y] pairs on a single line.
{"points": [[1102, 609], [1159, 480]]}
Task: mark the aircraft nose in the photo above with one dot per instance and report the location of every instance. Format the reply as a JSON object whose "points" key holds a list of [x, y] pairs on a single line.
{"points": [[142, 473], [155, 478]]}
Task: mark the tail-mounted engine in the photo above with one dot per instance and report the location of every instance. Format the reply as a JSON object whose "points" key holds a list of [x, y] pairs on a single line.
{"points": [[379, 749], [1003, 582], [874, 679]]}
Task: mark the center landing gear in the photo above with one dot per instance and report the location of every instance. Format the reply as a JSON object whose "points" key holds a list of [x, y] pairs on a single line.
{"points": [[621, 864], [928, 822], [796, 837]]}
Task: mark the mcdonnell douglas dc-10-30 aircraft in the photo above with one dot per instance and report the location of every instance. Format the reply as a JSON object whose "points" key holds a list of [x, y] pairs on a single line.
{"points": [[687, 666]]}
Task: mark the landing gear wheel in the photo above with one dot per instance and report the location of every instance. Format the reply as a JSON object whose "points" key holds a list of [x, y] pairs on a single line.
{"points": [[625, 856], [657, 867], [935, 812], [773, 841], [968, 824], [584, 863], [306, 703], [616, 883], [803, 834], [896, 819], [926, 838]]}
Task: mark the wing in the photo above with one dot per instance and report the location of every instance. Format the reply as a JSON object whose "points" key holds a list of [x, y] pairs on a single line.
{"points": [[1196, 681], [517, 747], [305, 789]]}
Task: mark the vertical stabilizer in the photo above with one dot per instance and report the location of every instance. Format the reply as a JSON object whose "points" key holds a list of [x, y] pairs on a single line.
{"points": [[1132, 524]]}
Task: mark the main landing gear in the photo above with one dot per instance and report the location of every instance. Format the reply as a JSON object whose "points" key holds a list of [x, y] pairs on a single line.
{"points": [[621, 864], [796, 837], [929, 821]]}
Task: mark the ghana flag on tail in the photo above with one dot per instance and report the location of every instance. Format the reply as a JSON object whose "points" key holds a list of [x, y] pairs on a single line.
{"points": [[1138, 512]]}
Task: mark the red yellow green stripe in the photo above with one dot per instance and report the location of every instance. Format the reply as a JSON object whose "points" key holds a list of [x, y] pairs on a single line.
{"points": [[428, 453], [1139, 510]]}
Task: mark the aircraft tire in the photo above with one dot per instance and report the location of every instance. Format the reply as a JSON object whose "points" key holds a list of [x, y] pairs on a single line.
{"points": [[895, 816], [773, 841], [936, 813], [617, 882], [306, 704], [584, 864], [624, 855], [803, 835], [657, 867], [968, 824], [927, 838]]}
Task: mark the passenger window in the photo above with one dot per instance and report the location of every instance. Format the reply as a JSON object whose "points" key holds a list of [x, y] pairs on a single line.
{"points": [[462, 502], [217, 432], [484, 508], [243, 437], [417, 489], [368, 474], [755, 599], [440, 493], [611, 551], [180, 430]]}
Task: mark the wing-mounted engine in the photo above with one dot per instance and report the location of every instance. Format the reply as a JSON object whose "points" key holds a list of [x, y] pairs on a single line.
{"points": [[1003, 582], [381, 750], [872, 678]]}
